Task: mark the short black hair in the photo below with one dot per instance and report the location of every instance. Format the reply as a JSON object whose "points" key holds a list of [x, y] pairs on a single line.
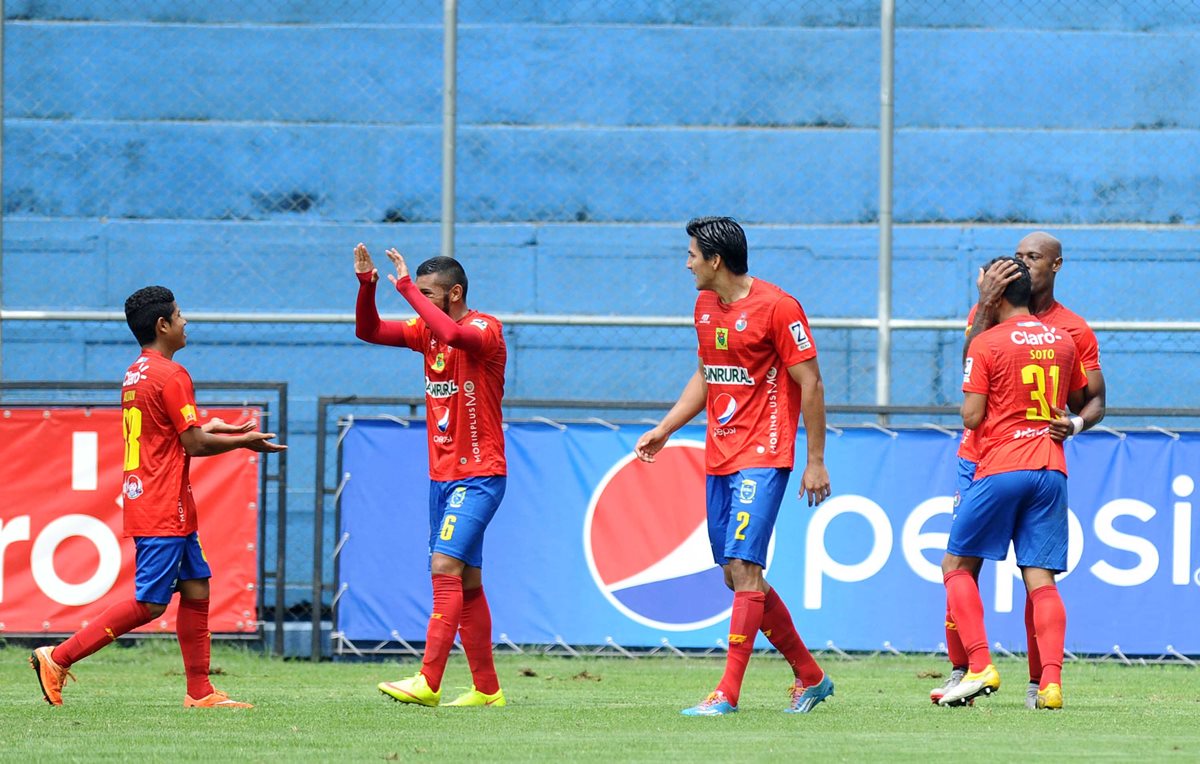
{"points": [[448, 270], [721, 236], [144, 307], [1018, 293]]}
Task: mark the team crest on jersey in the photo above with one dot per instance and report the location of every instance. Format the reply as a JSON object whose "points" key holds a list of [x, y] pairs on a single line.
{"points": [[741, 323], [722, 338], [439, 363], [133, 487], [458, 496], [747, 490]]}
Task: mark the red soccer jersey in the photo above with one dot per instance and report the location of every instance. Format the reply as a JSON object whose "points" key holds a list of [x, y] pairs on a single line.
{"points": [[463, 391], [1024, 367], [158, 403], [753, 404], [1086, 346]]}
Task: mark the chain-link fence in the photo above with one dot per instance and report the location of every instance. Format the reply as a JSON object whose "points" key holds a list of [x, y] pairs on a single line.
{"points": [[238, 151]]}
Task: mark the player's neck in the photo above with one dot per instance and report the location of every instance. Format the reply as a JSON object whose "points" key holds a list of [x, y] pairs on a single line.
{"points": [[1039, 303], [733, 288], [161, 349], [457, 311], [1007, 311]]}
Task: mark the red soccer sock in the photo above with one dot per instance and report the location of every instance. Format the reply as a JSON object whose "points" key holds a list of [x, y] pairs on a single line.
{"points": [[780, 630], [954, 644], [1050, 620], [967, 608], [743, 628], [1035, 655], [476, 634], [112, 623], [191, 628], [443, 624]]}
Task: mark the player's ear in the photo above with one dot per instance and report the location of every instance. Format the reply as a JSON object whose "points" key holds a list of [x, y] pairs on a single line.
{"points": [[456, 293]]}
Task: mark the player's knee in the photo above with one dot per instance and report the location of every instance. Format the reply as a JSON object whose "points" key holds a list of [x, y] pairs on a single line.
{"points": [[444, 565], [746, 576], [728, 578]]}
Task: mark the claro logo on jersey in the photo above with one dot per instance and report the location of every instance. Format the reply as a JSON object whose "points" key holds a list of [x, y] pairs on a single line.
{"points": [[646, 541], [1046, 337], [440, 389], [727, 375]]}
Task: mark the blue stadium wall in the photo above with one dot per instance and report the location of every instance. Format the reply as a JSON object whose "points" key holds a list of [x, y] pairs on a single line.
{"points": [[85, 223]]}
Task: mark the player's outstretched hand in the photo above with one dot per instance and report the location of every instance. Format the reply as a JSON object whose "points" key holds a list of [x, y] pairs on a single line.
{"points": [[1060, 426], [261, 442], [650, 444], [218, 426], [815, 483], [992, 282], [398, 261], [363, 262]]}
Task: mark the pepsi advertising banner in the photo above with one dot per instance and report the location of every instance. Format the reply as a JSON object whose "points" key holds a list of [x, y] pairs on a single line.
{"points": [[590, 544]]}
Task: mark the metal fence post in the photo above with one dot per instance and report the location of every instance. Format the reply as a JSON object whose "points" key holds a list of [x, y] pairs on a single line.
{"points": [[449, 122], [883, 363]]}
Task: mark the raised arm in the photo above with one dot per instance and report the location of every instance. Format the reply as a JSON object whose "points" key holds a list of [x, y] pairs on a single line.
{"points": [[367, 325], [991, 284], [444, 328]]}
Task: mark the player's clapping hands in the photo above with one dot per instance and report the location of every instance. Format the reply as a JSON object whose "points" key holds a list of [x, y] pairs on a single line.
{"points": [[1060, 426], [398, 261], [261, 442], [363, 262]]}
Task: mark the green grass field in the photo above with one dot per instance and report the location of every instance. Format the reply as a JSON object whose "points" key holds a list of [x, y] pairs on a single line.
{"points": [[127, 705]]}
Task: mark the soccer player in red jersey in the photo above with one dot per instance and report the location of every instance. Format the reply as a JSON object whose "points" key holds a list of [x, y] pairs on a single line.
{"points": [[1017, 378], [757, 375], [162, 434], [1042, 254], [464, 383]]}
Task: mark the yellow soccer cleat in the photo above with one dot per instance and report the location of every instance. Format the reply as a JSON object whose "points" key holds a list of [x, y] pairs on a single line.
{"points": [[972, 686], [473, 697], [51, 676], [1050, 697], [216, 699], [415, 689]]}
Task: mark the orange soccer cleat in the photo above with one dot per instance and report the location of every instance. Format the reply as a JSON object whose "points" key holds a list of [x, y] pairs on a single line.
{"points": [[216, 699], [51, 676]]}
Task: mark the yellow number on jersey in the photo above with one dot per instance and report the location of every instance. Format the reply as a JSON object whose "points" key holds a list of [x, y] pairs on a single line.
{"points": [[131, 430], [448, 527], [1036, 375], [744, 520]]}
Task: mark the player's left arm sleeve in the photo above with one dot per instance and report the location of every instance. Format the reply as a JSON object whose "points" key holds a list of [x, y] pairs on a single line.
{"points": [[790, 333], [469, 337], [1088, 349], [179, 398]]}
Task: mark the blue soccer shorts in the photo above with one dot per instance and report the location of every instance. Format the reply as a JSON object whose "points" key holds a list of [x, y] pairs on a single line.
{"points": [[1026, 507], [459, 513], [962, 481], [162, 562], [742, 508]]}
